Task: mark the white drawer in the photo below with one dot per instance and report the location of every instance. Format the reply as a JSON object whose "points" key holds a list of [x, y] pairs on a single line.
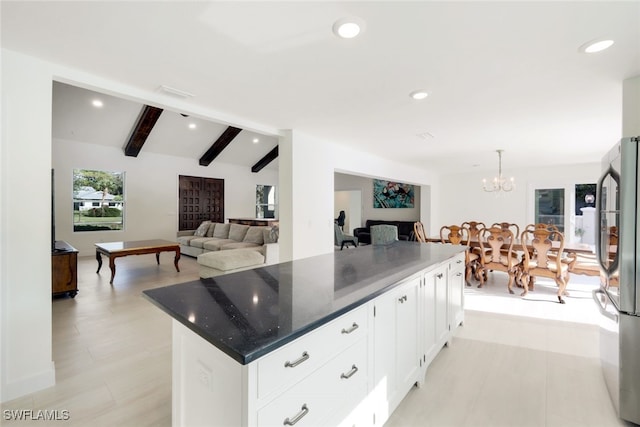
{"points": [[325, 394], [296, 360]]}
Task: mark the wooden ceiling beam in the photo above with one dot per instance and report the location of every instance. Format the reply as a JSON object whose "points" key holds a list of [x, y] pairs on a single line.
{"points": [[146, 121], [221, 143], [272, 155]]}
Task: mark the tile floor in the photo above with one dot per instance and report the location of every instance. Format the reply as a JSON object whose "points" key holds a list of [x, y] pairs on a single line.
{"points": [[515, 362]]}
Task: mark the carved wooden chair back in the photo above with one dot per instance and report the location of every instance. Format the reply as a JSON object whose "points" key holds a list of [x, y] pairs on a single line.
{"points": [[552, 228], [418, 230], [454, 234], [543, 260], [474, 228], [497, 253], [506, 226]]}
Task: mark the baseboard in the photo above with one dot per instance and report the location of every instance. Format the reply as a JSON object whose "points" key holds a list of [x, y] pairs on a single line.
{"points": [[27, 385]]}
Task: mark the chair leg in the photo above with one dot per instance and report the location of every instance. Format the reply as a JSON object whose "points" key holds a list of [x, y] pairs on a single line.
{"points": [[511, 280], [342, 245], [525, 278], [483, 277]]}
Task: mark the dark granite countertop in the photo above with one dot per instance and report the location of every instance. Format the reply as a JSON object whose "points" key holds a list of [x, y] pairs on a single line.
{"points": [[251, 313]]}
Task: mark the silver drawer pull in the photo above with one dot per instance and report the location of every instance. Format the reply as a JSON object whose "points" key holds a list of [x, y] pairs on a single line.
{"points": [[459, 274], [402, 299], [349, 374], [439, 276], [295, 363], [351, 329], [458, 261], [303, 411]]}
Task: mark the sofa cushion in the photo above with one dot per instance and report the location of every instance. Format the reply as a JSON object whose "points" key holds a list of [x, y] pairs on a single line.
{"points": [[202, 229], [229, 260], [221, 231], [199, 242], [184, 240], [211, 228], [237, 232], [254, 235], [238, 245], [214, 244]]}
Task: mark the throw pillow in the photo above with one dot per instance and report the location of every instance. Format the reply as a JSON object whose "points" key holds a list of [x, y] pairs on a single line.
{"points": [[270, 234], [202, 229], [221, 231], [254, 235], [237, 232], [212, 227]]}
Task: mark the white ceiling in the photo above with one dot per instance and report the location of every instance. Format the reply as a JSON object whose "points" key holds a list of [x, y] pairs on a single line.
{"points": [[500, 74]]}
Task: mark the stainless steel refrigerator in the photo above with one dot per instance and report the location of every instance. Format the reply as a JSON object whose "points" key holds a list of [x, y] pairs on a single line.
{"points": [[618, 253]]}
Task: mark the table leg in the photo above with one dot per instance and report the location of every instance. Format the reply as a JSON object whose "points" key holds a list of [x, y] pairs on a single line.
{"points": [[112, 266], [158, 257], [177, 258], [99, 258]]}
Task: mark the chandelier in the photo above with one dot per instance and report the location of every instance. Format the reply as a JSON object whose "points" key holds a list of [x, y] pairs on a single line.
{"points": [[499, 183]]}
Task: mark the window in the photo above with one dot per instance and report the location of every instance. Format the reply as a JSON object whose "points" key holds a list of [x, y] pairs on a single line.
{"points": [[265, 201], [98, 200], [549, 207]]}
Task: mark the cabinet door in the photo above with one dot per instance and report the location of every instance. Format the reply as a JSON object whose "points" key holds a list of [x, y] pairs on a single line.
{"points": [[407, 339], [435, 322], [441, 308], [456, 292], [396, 343]]}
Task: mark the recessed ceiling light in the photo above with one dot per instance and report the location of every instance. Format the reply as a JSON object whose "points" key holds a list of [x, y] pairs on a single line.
{"points": [[596, 46], [419, 94], [192, 126], [97, 103], [256, 140], [348, 28]]}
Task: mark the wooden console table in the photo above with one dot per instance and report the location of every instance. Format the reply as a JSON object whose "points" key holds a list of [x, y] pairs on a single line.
{"points": [[119, 249], [64, 269], [267, 222]]}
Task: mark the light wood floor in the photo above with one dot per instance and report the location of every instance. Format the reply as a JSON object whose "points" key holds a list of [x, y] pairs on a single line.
{"points": [[112, 351]]}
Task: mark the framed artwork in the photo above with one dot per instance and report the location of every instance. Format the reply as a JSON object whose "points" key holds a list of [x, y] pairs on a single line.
{"points": [[389, 194]]}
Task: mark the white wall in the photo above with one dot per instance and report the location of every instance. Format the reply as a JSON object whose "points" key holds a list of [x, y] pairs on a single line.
{"points": [[631, 107], [151, 191], [462, 198]]}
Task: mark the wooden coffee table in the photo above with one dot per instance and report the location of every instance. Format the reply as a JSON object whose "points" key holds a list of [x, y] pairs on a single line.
{"points": [[119, 249]]}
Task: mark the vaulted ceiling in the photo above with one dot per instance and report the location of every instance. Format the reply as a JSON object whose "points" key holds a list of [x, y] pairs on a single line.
{"points": [[499, 74], [137, 129]]}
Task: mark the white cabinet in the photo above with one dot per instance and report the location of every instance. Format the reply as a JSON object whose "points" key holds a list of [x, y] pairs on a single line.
{"points": [[396, 349]]}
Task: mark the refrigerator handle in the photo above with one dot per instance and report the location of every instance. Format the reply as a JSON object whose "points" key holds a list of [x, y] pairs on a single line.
{"points": [[603, 310], [599, 219]]}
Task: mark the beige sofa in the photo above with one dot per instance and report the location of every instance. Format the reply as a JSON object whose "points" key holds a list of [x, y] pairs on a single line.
{"points": [[215, 236], [227, 248]]}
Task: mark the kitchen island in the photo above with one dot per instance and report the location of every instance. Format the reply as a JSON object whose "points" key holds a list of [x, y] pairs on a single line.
{"points": [[328, 340]]}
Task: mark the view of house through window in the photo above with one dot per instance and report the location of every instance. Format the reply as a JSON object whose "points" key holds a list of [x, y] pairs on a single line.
{"points": [[265, 201], [549, 207], [98, 200]]}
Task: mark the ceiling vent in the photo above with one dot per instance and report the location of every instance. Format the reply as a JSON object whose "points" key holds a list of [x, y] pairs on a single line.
{"points": [[175, 92]]}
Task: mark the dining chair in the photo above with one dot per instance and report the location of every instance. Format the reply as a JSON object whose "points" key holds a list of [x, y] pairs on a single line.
{"points": [[418, 230], [555, 231], [457, 235], [497, 254], [541, 260]]}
